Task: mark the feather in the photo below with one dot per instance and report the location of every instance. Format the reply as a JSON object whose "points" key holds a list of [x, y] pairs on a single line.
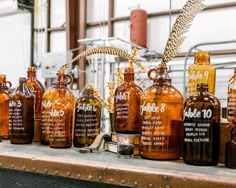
{"points": [[180, 27]]}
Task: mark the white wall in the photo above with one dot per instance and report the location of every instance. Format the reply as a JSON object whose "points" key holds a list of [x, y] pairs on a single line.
{"points": [[14, 42]]}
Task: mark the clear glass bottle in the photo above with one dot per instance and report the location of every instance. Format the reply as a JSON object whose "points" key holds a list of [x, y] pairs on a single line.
{"points": [[4, 106], [231, 100], [161, 115], [201, 72], [87, 119], [127, 104], [21, 114], [49, 97], [201, 128], [62, 120], [37, 89]]}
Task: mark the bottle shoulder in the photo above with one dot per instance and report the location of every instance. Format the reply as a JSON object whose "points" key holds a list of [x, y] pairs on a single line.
{"points": [[62, 102], [133, 88], [4, 96], [163, 90], [88, 99], [203, 99]]}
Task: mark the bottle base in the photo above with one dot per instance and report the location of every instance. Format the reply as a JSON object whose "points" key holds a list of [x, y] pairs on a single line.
{"points": [[201, 163], [44, 143], [230, 155], [59, 147], [80, 145], [20, 141], [160, 156]]}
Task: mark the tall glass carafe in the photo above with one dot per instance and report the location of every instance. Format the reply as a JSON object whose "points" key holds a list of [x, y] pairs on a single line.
{"points": [[201, 72], [201, 128], [37, 89], [21, 114], [4, 106], [127, 104], [231, 100], [49, 97], [62, 120], [161, 115], [87, 119]]}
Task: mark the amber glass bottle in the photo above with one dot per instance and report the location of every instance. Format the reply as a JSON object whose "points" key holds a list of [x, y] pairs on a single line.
{"points": [[201, 128], [231, 100], [62, 117], [201, 72], [49, 97], [21, 114], [127, 104], [4, 106], [230, 147], [37, 89], [161, 115], [87, 119]]}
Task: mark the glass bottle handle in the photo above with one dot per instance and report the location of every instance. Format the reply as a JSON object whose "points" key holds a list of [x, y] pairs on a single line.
{"points": [[69, 79], [150, 74], [8, 84]]}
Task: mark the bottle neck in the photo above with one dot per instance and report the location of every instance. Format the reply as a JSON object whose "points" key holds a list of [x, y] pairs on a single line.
{"points": [[129, 77], [201, 63], [202, 58], [31, 74], [60, 84], [163, 76], [23, 87], [88, 93], [202, 88]]}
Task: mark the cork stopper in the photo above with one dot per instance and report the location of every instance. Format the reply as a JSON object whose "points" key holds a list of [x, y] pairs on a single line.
{"points": [[31, 68], [22, 79], [2, 78], [201, 58], [129, 69]]}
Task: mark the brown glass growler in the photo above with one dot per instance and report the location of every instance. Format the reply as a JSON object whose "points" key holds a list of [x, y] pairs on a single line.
{"points": [[161, 115], [62, 117], [37, 89], [127, 104], [231, 100], [87, 119], [50, 95], [201, 128], [21, 114], [4, 106], [201, 72], [230, 146]]}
